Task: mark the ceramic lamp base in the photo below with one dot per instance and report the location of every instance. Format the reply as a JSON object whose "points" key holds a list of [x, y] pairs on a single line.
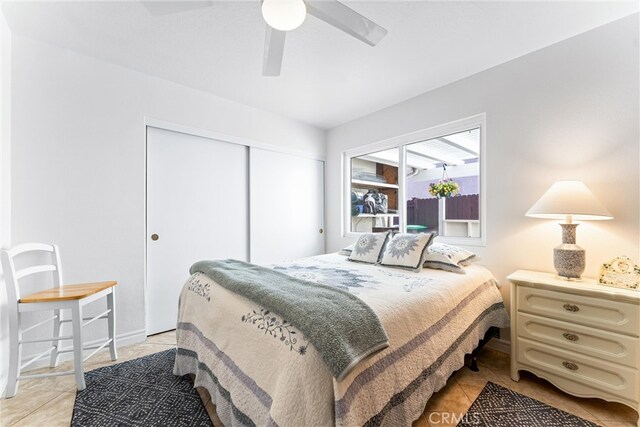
{"points": [[569, 261], [569, 258]]}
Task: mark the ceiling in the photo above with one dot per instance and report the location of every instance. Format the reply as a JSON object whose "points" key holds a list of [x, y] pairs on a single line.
{"points": [[328, 78]]}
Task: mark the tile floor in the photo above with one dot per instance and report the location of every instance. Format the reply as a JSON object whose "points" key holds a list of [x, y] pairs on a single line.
{"points": [[49, 402]]}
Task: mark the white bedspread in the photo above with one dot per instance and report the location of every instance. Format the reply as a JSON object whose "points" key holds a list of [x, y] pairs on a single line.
{"points": [[260, 370]]}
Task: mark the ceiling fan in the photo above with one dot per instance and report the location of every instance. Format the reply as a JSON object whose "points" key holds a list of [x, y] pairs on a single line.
{"points": [[282, 16]]}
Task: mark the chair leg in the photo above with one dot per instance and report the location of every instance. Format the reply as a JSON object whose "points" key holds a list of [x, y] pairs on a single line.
{"points": [[111, 321], [14, 355], [76, 312], [55, 343]]}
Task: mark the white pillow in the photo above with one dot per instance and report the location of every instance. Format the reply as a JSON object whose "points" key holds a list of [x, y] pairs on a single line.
{"points": [[347, 251], [407, 251], [369, 247], [448, 257]]}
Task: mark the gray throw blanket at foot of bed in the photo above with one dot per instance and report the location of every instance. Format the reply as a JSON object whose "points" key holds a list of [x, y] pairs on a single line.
{"points": [[340, 326]]}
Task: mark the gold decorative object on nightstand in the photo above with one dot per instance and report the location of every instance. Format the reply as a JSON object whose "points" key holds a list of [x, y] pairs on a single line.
{"points": [[582, 337], [620, 272]]}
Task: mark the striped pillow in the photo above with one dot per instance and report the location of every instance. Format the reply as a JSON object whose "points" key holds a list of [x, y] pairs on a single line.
{"points": [[448, 258]]}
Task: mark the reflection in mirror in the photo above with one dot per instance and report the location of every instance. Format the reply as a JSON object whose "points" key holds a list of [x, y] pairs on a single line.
{"points": [[443, 185], [374, 191]]}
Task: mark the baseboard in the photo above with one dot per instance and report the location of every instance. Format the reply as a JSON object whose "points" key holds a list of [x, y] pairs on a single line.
{"points": [[124, 339], [500, 345]]}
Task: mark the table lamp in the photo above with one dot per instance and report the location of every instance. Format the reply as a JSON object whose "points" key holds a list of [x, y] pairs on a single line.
{"points": [[570, 200]]}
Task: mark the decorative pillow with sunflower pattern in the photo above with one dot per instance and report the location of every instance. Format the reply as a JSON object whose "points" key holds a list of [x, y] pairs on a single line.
{"points": [[407, 251], [369, 247]]}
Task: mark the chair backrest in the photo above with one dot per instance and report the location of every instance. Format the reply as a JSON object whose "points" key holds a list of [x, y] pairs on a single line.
{"points": [[13, 276]]}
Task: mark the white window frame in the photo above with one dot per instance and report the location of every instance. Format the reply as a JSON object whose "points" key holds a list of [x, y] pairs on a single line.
{"points": [[400, 142]]}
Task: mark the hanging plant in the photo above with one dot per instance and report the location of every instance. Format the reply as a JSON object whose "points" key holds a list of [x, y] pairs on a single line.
{"points": [[444, 188]]}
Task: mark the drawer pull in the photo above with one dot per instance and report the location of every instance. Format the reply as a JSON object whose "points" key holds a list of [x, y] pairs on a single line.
{"points": [[571, 307], [571, 337], [570, 365]]}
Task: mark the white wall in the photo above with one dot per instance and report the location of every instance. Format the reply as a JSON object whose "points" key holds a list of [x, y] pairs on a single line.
{"points": [[567, 111], [79, 159], [5, 183]]}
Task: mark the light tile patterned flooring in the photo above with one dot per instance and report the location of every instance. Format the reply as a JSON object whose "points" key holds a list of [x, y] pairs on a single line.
{"points": [[48, 402]]}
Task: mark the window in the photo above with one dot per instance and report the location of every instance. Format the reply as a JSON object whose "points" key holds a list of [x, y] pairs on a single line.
{"points": [[374, 191], [428, 181]]}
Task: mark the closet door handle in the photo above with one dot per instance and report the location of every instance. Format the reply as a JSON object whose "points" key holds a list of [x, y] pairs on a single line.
{"points": [[154, 237], [321, 230]]}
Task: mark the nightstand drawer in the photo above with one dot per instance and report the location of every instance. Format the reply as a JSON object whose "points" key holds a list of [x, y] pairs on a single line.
{"points": [[586, 372], [615, 316], [593, 342]]}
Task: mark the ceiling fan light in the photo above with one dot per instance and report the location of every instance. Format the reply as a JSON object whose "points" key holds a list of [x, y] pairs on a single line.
{"points": [[284, 15]]}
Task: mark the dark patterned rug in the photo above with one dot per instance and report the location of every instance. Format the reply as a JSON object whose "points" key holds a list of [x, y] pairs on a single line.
{"points": [[144, 392], [140, 392], [497, 406]]}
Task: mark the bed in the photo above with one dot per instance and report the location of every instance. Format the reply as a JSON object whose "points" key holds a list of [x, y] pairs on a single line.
{"points": [[260, 370]]}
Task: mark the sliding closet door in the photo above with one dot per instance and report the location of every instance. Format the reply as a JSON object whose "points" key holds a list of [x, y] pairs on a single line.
{"points": [[287, 206], [197, 208]]}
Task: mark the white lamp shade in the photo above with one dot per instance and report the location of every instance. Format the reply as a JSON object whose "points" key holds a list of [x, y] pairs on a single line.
{"points": [[569, 198], [284, 15]]}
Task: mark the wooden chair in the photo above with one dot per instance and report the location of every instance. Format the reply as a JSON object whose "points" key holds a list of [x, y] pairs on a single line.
{"points": [[58, 298]]}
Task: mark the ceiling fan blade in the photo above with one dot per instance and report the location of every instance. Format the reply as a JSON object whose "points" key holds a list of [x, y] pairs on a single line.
{"points": [[346, 19], [273, 51], [159, 8]]}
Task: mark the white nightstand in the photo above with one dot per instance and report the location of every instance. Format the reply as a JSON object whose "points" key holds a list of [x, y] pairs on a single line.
{"points": [[578, 335]]}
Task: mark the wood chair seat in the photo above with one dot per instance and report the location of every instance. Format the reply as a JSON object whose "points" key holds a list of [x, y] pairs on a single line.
{"points": [[70, 300], [67, 292]]}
